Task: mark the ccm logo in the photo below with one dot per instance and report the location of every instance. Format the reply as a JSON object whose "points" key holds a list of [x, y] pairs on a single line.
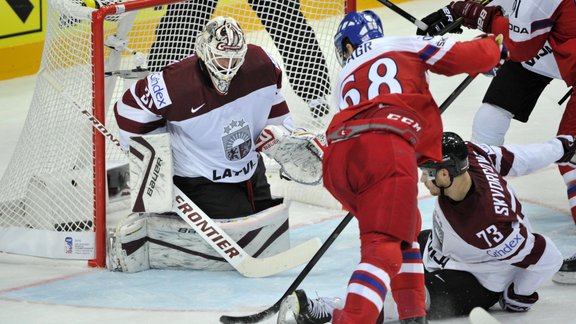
{"points": [[408, 121]]}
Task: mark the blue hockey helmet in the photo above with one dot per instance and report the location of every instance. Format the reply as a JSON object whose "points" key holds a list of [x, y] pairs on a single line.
{"points": [[356, 28]]}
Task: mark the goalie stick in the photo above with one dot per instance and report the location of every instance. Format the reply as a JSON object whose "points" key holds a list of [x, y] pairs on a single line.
{"points": [[207, 228], [247, 265], [255, 318]]}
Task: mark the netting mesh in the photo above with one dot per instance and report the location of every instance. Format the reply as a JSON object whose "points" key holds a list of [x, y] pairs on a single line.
{"points": [[48, 185]]}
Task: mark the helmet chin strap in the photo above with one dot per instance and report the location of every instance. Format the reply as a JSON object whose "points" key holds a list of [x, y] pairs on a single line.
{"points": [[443, 187]]}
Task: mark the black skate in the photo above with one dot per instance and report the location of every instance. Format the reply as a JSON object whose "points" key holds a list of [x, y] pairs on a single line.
{"points": [[567, 272]]}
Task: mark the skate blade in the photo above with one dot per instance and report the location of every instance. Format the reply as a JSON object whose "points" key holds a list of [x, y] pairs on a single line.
{"points": [[565, 277]]}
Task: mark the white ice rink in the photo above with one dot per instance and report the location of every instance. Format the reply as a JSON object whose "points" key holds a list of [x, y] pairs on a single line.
{"points": [[46, 291]]}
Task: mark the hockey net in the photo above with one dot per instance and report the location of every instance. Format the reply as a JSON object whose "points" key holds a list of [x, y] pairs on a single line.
{"points": [[66, 182]]}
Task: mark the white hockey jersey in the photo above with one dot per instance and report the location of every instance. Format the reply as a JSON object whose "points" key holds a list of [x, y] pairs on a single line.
{"points": [[213, 136], [487, 233], [541, 34]]}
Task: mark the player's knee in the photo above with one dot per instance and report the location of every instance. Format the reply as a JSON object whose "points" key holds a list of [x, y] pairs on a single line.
{"points": [[382, 251], [491, 124]]}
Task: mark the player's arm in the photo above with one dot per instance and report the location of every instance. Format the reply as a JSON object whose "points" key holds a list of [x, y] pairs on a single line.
{"points": [[521, 159], [449, 57], [136, 113]]}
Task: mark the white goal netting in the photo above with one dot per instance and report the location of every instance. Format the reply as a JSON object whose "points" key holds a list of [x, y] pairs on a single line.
{"points": [[49, 194]]}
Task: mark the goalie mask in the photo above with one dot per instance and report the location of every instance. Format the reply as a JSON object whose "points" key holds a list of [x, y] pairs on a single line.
{"points": [[454, 157], [221, 46], [355, 29]]}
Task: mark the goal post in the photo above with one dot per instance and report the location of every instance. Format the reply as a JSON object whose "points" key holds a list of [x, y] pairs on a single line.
{"points": [[66, 183]]}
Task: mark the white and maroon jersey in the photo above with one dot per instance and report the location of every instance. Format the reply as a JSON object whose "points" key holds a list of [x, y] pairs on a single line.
{"points": [[213, 136], [542, 33], [487, 233], [393, 71]]}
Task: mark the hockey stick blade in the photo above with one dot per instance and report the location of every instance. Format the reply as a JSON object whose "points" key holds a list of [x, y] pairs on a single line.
{"points": [[479, 315], [258, 317], [222, 243]]}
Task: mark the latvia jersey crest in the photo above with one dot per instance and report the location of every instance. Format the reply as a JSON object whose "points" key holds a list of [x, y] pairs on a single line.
{"points": [[237, 140]]}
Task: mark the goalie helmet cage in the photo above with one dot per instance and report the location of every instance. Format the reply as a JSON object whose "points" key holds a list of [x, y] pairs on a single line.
{"points": [[64, 178]]}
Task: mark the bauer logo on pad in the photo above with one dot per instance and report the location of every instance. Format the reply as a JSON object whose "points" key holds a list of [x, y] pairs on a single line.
{"points": [[151, 173]]}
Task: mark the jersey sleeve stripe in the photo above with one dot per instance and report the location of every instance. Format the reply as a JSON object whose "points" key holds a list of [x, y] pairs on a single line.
{"points": [[541, 24], [137, 127], [535, 254], [278, 110], [428, 52]]}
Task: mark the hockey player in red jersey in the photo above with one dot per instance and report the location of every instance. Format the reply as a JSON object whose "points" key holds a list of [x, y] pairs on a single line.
{"points": [[541, 38], [481, 248], [388, 122]]}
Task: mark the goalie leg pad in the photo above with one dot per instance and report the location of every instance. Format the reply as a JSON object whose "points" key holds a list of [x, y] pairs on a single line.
{"points": [[174, 245], [128, 245]]}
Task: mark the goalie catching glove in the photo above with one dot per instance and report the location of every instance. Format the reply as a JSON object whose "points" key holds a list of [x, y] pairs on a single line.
{"points": [[299, 153]]}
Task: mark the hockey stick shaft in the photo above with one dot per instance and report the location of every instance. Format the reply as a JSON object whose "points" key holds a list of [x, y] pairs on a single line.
{"points": [[255, 318], [448, 101], [208, 229], [419, 23], [464, 84], [566, 96], [137, 73]]}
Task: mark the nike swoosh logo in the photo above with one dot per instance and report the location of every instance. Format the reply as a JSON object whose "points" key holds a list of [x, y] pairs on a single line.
{"points": [[194, 110]]}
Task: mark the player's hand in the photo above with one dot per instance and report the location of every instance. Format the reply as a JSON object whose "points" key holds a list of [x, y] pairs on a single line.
{"points": [[512, 302], [569, 145], [475, 15], [437, 21], [504, 55]]}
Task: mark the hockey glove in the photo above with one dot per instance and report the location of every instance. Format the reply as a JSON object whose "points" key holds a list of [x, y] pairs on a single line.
{"points": [[269, 140], [299, 153], [437, 21], [569, 145], [511, 302], [504, 55], [475, 15]]}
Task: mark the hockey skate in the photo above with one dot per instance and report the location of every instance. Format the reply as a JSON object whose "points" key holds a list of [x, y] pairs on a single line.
{"points": [[306, 310], [567, 272]]}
